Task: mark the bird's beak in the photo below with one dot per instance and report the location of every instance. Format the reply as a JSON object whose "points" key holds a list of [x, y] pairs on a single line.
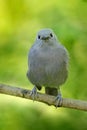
{"points": [[45, 38]]}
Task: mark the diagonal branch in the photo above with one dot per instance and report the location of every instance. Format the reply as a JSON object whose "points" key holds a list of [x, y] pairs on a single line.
{"points": [[50, 100]]}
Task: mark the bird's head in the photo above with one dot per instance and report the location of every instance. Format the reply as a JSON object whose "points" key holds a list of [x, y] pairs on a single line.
{"points": [[46, 35]]}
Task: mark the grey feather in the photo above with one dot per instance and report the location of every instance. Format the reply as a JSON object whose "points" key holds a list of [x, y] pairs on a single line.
{"points": [[47, 61]]}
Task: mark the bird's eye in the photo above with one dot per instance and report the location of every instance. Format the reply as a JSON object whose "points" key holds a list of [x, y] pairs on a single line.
{"points": [[51, 34], [38, 36]]}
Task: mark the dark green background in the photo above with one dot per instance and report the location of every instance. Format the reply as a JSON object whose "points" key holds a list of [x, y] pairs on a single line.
{"points": [[20, 20]]}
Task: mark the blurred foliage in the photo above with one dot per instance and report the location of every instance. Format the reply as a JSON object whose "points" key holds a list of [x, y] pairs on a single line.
{"points": [[19, 22]]}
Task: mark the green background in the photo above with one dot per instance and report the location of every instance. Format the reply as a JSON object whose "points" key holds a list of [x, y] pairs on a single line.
{"points": [[20, 20]]}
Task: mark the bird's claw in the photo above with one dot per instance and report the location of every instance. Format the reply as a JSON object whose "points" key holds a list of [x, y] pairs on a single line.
{"points": [[33, 93], [58, 100]]}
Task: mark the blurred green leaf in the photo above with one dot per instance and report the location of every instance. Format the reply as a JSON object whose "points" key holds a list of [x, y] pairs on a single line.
{"points": [[19, 22]]}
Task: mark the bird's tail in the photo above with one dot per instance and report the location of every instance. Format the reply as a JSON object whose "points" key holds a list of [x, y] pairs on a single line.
{"points": [[51, 91]]}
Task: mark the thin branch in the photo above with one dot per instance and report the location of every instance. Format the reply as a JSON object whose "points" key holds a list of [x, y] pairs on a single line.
{"points": [[50, 100]]}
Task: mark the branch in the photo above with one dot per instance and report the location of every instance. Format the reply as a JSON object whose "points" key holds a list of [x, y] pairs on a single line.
{"points": [[47, 99]]}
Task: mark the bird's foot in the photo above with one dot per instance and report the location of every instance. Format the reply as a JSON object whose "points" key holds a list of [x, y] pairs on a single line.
{"points": [[58, 100], [33, 93]]}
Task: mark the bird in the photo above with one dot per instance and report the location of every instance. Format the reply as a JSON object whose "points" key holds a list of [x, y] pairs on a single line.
{"points": [[48, 63]]}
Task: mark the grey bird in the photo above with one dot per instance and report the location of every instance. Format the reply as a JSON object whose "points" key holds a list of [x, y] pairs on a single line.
{"points": [[48, 64]]}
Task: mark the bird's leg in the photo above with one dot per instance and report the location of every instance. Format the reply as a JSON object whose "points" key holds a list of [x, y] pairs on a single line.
{"points": [[58, 99], [33, 93]]}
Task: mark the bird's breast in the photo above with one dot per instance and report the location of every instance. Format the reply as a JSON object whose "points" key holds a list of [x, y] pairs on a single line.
{"points": [[48, 66]]}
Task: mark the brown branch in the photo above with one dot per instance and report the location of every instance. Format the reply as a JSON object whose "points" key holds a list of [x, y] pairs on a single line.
{"points": [[50, 100]]}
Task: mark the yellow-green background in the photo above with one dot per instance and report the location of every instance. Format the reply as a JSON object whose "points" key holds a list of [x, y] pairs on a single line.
{"points": [[19, 22]]}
